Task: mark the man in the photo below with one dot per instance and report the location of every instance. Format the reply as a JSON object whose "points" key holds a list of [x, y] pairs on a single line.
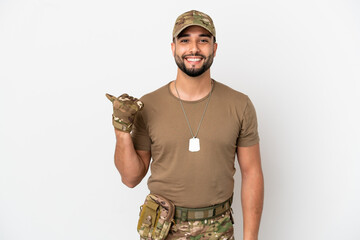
{"points": [[192, 128]]}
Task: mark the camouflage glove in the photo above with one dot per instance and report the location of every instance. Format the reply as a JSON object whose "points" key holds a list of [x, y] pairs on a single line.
{"points": [[125, 108]]}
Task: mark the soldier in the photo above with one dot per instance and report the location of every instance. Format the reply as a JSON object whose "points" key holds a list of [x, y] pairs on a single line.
{"points": [[191, 128]]}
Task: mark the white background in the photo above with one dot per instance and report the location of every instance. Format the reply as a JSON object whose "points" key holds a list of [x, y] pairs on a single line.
{"points": [[298, 61]]}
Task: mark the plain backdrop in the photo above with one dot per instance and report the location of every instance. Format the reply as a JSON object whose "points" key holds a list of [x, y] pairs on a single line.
{"points": [[298, 61]]}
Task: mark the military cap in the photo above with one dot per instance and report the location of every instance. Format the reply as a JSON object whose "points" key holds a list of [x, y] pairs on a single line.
{"points": [[193, 18]]}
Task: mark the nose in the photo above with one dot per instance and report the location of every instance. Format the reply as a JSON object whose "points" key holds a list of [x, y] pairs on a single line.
{"points": [[194, 48]]}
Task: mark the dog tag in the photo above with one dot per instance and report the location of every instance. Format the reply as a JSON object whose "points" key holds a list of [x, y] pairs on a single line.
{"points": [[194, 144]]}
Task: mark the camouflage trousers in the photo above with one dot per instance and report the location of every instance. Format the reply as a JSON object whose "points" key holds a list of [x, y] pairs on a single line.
{"points": [[219, 228]]}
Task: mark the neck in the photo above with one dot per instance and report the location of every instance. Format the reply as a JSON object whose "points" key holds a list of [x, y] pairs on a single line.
{"points": [[192, 88]]}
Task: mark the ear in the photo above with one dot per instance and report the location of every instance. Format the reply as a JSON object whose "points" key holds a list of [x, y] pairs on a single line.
{"points": [[173, 48], [215, 48], [110, 97]]}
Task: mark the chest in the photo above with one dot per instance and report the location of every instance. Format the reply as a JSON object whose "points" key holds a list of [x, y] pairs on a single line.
{"points": [[169, 126]]}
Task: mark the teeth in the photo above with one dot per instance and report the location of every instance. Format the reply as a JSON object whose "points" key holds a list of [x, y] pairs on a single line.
{"points": [[193, 59]]}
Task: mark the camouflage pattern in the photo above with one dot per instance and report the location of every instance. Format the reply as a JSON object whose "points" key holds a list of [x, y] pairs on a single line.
{"points": [[125, 108], [156, 217], [219, 228], [193, 18], [197, 214]]}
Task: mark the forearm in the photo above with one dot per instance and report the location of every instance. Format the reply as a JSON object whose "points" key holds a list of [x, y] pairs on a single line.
{"points": [[132, 169], [252, 197]]}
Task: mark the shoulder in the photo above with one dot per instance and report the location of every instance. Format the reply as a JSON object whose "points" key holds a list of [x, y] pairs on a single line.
{"points": [[231, 95], [156, 95], [154, 99]]}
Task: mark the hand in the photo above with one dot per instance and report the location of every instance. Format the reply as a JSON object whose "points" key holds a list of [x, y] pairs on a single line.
{"points": [[125, 108]]}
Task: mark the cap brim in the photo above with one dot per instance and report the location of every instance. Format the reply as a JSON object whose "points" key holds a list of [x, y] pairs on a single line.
{"points": [[189, 25]]}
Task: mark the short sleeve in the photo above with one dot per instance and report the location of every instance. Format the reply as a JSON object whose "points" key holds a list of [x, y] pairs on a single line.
{"points": [[139, 134], [248, 135]]}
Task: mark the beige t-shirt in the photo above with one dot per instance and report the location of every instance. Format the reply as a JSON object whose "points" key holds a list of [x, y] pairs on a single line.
{"points": [[194, 179]]}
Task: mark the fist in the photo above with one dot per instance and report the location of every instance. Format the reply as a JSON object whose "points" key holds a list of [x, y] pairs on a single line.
{"points": [[125, 108]]}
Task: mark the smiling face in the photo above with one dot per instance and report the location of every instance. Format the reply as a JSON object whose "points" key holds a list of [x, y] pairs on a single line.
{"points": [[194, 50]]}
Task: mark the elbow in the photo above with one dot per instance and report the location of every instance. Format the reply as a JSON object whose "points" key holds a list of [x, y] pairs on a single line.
{"points": [[129, 184]]}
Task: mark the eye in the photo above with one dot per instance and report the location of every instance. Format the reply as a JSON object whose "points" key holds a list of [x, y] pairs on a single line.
{"points": [[204, 40], [184, 40]]}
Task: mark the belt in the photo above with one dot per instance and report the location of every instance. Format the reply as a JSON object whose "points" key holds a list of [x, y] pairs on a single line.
{"points": [[196, 214]]}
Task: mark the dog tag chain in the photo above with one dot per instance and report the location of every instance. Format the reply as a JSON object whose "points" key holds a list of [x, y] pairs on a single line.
{"points": [[194, 142]]}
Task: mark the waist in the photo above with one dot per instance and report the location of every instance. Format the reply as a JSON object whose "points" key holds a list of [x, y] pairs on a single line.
{"points": [[198, 214], [197, 194]]}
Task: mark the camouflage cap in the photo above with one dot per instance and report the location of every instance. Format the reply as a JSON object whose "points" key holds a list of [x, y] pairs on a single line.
{"points": [[193, 18]]}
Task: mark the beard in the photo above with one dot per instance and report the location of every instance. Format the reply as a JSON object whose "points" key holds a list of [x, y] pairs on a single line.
{"points": [[192, 72]]}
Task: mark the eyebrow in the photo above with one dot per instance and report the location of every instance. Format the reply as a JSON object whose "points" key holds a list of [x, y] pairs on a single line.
{"points": [[188, 35], [205, 35]]}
